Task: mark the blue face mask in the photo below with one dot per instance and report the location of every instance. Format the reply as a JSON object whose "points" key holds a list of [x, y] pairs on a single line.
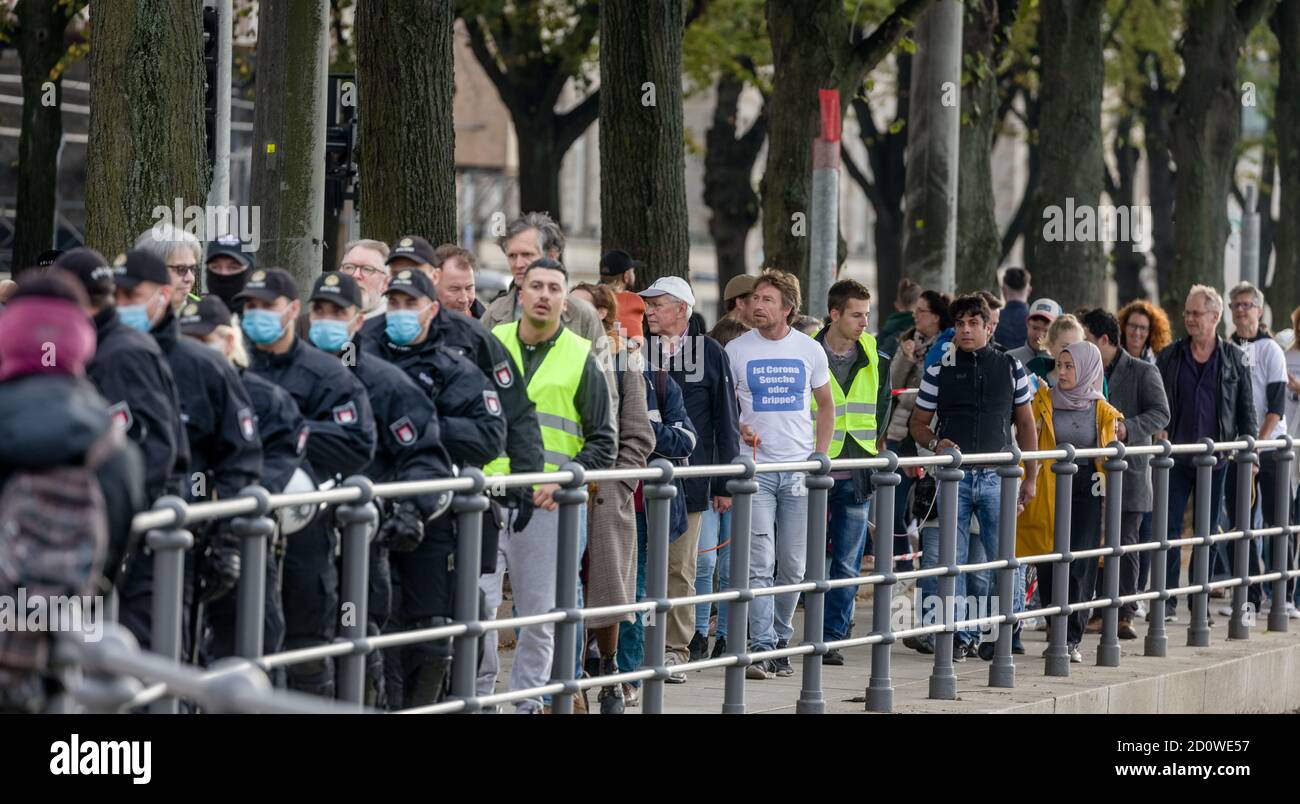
{"points": [[329, 336], [403, 326], [262, 326], [135, 316]]}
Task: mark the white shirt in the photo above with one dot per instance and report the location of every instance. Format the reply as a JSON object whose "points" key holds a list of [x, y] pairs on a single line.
{"points": [[774, 382], [1267, 365]]}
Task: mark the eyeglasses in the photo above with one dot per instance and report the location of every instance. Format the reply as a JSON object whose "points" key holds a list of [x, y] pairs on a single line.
{"points": [[1196, 313], [1137, 328], [181, 270], [1245, 305], [368, 271]]}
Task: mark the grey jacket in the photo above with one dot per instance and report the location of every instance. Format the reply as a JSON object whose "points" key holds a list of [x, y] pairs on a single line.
{"points": [[1137, 391]]}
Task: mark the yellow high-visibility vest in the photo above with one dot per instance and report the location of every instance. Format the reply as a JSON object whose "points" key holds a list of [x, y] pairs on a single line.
{"points": [[552, 388], [855, 412]]}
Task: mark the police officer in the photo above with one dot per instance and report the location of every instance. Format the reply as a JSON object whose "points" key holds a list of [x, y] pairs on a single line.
{"points": [[227, 267], [131, 373], [283, 434], [409, 447], [341, 443]]}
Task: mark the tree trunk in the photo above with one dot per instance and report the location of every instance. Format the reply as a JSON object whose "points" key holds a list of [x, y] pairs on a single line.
{"points": [[1156, 103], [539, 166], [1129, 260], [289, 136], [1016, 226], [1205, 127], [40, 45], [728, 191], [146, 146], [978, 245], [642, 137], [1264, 206], [1285, 290], [407, 142], [1067, 260]]}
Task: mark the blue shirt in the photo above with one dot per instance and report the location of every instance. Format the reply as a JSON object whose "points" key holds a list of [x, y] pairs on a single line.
{"points": [[1197, 416], [1012, 331], [936, 350]]}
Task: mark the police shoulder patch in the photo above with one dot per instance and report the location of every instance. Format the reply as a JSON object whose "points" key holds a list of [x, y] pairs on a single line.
{"points": [[403, 430], [247, 423], [345, 414], [493, 402], [121, 413], [505, 377]]}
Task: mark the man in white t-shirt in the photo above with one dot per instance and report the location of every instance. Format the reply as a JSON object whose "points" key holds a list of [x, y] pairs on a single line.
{"points": [[1268, 381], [778, 371]]}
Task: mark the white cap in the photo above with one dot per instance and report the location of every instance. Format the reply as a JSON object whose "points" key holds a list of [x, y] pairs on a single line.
{"points": [[1045, 308], [673, 286]]}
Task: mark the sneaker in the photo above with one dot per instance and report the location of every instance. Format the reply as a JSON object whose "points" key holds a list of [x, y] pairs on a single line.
{"points": [[631, 696], [760, 670], [1224, 611], [670, 661], [986, 650], [699, 647], [782, 665], [719, 647], [611, 700], [1126, 630], [1291, 612], [960, 651], [1075, 656], [1171, 617], [1140, 610], [833, 657]]}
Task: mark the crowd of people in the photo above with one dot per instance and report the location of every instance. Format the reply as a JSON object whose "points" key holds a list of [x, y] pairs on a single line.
{"points": [[179, 369]]}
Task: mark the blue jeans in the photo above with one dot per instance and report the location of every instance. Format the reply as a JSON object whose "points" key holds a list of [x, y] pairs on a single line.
{"points": [[847, 539], [778, 552], [631, 636], [1182, 490], [714, 554], [978, 495]]}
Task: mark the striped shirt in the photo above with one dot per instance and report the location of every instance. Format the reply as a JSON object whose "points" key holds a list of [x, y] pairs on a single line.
{"points": [[928, 397]]}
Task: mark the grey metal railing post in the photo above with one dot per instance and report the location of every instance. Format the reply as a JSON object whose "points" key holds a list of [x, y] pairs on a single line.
{"points": [[1057, 660], [253, 530], [357, 521], [1238, 624], [573, 504], [943, 678], [468, 506], [1198, 630], [659, 496], [880, 689], [167, 604], [1002, 672], [1281, 518], [1108, 650], [742, 490], [819, 484], [1157, 643]]}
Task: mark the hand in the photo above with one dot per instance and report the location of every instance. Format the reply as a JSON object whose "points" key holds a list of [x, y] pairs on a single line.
{"points": [[1254, 469], [1027, 491], [946, 443], [1162, 435], [544, 497], [403, 529], [219, 567], [750, 437], [1293, 382], [909, 349], [721, 504], [521, 499], [1121, 432]]}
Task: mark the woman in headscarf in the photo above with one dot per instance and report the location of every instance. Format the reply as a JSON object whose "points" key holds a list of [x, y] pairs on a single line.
{"points": [[1074, 411]]}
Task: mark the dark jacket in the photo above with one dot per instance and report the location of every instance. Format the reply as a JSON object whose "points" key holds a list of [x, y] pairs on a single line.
{"points": [[1136, 391], [341, 440], [895, 326], [675, 436], [220, 424], [1236, 405], [852, 449], [132, 375], [703, 371], [281, 427], [51, 421]]}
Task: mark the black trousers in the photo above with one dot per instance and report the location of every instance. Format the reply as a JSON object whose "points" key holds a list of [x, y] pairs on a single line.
{"points": [[1085, 534], [1265, 495]]}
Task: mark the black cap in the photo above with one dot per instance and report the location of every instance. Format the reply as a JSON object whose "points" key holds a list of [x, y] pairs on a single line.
{"points": [[414, 283], [134, 267], [411, 247], [47, 258], [269, 285], [90, 267], [338, 288], [229, 245], [200, 318], [616, 262]]}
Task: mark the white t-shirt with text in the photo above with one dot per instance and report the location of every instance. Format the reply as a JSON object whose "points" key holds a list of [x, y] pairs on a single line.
{"points": [[774, 382]]}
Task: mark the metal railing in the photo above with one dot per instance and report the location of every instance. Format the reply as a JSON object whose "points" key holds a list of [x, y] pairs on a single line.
{"points": [[165, 528]]}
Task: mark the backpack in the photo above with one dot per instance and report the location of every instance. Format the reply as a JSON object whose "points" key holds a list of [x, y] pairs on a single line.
{"points": [[53, 542]]}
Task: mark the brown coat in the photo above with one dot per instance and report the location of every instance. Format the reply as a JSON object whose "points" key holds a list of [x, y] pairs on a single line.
{"points": [[611, 528]]}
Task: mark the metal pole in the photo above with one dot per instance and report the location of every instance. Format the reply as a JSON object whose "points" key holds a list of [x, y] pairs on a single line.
{"points": [[880, 689], [819, 484], [468, 507], [1057, 662], [573, 504], [1002, 673], [357, 520], [253, 531], [943, 679], [1238, 626], [1108, 650], [1157, 642], [658, 495], [219, 192], [742, 492], [825, 224], [1281, 544], [1198, 630], [168, 548], [1250, 238]]}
